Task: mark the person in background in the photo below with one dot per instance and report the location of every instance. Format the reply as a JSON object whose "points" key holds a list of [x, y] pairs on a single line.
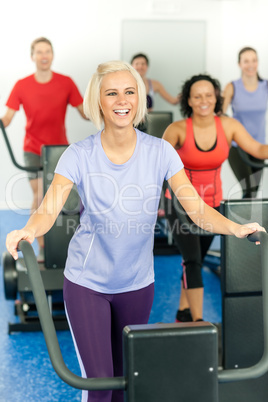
{"points": [[44, 97], [202, 141], [141, 63], [119, 173], [248, 97]]}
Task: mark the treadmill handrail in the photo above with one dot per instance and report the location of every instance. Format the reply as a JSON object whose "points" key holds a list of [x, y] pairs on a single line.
{"points": [[48, 328], [248, 161], [28, 169], [261, 367], [75, 381]]}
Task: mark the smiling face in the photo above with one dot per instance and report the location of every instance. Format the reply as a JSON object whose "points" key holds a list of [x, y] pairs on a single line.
{"points": [[119, 99], [202, 98], [249, 63], [140, 64], [42, 56]]}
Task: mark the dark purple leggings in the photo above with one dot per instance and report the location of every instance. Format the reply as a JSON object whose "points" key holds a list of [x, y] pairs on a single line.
{"points": [[96, 321]]}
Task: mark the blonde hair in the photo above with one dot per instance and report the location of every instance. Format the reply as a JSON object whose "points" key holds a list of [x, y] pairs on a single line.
{"points": [[92, 107], [38, 40]]}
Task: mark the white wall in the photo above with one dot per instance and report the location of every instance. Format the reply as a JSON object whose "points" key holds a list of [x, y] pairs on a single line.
{"points": [[167, 65], [86, 32]]}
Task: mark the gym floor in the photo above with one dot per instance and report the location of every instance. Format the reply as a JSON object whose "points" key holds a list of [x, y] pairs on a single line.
{"points": [[25, 370]]}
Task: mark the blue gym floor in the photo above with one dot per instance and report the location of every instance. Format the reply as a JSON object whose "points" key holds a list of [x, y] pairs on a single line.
{"points": [[26, 373]]}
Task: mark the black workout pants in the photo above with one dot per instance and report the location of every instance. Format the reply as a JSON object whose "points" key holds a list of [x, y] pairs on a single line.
{"points": [[248, 177], [193, 248]]}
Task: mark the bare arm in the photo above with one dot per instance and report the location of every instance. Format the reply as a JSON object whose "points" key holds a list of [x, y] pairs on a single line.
{"points": [[175, 133], [235, 131], [228, 94], [81, 111], [44, 217], [158, 87], [6, 119], [203, 215]]}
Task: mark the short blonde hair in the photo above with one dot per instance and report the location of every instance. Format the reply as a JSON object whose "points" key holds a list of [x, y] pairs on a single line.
{"points": [[92, 107]]}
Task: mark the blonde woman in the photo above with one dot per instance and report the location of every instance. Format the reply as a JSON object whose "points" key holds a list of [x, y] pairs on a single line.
{"points": [[119, 172]]}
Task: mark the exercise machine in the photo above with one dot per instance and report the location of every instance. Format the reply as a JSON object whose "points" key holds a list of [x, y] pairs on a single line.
{"points": [[242, 309], [174, 362], [16, 281], [241, 342]]}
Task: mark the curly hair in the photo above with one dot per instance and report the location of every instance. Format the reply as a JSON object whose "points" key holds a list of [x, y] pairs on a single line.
{"points": [[185, 109]]}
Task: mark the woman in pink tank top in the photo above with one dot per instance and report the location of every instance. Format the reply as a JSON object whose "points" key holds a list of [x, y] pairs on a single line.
{"points": [[202, 140]]}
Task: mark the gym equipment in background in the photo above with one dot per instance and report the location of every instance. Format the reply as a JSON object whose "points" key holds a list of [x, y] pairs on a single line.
{"points": [[157, 122], [242, 304], [241, 331], [16, 281], [245, 157]]}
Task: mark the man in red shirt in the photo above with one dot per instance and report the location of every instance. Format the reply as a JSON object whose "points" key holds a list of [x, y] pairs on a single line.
{"points": [[44, 97]]}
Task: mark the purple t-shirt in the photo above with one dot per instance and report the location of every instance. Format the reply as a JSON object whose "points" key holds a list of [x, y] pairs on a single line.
{"points": [[250, 108], [112, 248]]}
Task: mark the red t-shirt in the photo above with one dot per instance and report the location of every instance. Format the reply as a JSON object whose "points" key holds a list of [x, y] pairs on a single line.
{"points": [[45, 109]]}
